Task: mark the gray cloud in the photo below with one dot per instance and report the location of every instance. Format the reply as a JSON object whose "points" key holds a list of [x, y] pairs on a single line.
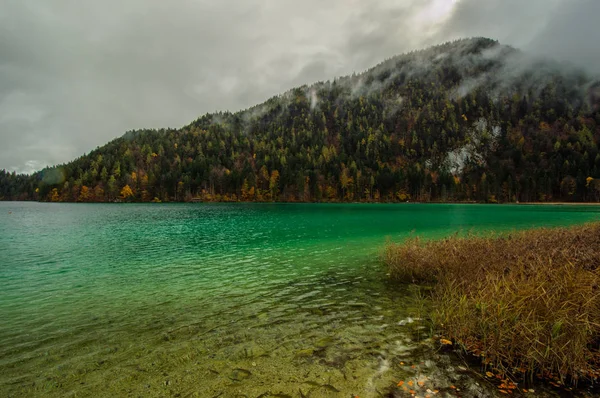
{"points": [[75, 74], [565, 30]]}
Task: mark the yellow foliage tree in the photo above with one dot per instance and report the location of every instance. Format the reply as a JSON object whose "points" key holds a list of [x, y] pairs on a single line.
{"points": [[98, 193], [245, 191], [126, 192], [84, 194], [54, 195], [588, 181], [144, 181], [274, 184], [402, 195], [330, 193]]}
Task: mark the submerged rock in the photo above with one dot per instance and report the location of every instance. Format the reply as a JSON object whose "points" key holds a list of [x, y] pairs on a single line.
{"points": [[239, 374], [309, 352], [251, 351], [324, 342], [330, 388]]}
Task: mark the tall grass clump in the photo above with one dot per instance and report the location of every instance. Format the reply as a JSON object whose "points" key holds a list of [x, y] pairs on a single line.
{"points": [[527, 303]]}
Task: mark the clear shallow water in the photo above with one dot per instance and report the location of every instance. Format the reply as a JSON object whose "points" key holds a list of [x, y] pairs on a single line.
{"points": [[219, 299]]}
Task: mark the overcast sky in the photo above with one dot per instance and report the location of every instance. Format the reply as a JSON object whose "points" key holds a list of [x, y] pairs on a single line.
{"points": [[75, 74]]}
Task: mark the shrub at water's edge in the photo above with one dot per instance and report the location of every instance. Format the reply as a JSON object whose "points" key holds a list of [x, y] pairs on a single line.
{"points": [[527, 303]]}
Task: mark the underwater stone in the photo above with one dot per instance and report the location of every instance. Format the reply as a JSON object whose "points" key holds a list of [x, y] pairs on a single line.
{"points": [[252, 351], [324, 342], [305, 353], [239, 374]]}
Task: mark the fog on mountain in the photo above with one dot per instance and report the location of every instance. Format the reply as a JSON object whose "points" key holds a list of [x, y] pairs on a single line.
{"points": [[470, 120]]}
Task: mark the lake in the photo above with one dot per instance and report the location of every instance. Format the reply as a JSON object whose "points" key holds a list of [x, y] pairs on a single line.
{"points": [[225, 300]]}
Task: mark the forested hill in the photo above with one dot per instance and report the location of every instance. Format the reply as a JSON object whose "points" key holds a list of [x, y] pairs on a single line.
{"points": [[470, 120]]}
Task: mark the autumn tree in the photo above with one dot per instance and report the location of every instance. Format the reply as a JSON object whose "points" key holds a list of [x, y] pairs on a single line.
{"points": [[98, 193], [345, 180], [126, 192], [274, 184], [84, 194], [54, 197]]}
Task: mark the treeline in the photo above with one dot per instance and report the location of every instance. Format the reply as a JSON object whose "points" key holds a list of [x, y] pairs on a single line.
{"points": [[470, 120]]}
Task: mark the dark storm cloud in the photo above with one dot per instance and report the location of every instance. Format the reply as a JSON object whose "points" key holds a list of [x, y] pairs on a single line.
{"points": [[75, 74]]}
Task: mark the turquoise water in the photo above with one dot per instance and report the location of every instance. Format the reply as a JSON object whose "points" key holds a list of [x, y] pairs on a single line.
{"points": [[217, 299]]}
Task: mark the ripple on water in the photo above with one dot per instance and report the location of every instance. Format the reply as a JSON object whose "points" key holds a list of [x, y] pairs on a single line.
{"points": [[207, 300]]}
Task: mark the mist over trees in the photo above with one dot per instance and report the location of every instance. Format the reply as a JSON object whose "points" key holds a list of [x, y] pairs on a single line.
{"points": [[470, 120]]}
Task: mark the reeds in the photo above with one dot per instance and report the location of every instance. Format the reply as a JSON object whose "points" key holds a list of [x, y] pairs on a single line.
{"points": [[527, 303]]}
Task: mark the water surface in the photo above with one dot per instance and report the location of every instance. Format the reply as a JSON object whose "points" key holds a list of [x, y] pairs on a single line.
{"points": [[219, 299]]}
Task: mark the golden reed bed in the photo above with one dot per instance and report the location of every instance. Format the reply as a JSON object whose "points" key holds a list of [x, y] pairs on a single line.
{"points": [[527, 303]]}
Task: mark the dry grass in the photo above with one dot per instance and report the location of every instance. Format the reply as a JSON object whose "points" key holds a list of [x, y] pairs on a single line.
{"points": [[527, 302]]}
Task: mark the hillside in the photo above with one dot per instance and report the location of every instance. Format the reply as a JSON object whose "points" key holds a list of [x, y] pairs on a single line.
{"points": [[470, 120]]}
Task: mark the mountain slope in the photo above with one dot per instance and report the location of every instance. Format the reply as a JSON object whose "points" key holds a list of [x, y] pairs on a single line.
{"points": [[467, 120]]}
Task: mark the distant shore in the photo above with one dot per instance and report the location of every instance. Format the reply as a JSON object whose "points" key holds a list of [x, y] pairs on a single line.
{"points": [[561, 203], [329, 202]]}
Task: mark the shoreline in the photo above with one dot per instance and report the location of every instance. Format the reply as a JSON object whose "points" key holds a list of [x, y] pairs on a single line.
{"points": [[560, 203], [337, 202]]}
